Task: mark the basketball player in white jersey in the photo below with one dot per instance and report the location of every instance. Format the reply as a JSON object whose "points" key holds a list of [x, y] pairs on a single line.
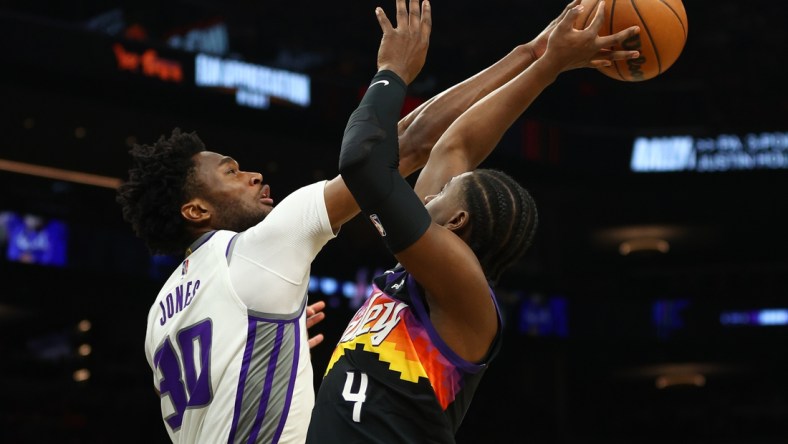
{"points": [[226, 337]]}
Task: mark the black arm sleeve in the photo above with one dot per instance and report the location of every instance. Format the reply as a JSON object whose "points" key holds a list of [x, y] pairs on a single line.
{"points": [[369, 163]]}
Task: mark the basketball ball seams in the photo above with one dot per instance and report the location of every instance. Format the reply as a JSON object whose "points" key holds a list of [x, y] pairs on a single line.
{"points": [[678, 16], [616, 65], [612, 11], [648, 32], [589, 16], [657, 25]]}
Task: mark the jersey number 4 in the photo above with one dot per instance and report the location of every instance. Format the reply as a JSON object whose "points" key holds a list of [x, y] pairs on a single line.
{"points": [[187, 381], [358, 397]]}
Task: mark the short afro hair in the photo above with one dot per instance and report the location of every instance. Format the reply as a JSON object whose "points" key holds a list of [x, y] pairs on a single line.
{"points": [[160, 179]]}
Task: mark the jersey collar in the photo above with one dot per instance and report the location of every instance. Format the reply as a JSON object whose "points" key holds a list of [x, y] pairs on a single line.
{"points": [[198, 243]]}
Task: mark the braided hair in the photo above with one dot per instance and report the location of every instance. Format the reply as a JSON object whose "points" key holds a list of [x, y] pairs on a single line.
{"points": [[503, 220], [160, 179]]}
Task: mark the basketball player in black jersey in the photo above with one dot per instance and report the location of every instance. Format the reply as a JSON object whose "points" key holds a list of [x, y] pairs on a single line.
{"points": [[407, 365]]}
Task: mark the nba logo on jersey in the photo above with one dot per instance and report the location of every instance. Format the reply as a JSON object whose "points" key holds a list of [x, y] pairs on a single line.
{"points": [[376, 222], [185, 267]]}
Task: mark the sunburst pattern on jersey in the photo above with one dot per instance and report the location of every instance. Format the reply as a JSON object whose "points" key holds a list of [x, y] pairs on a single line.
{"points": [[407, 349]]}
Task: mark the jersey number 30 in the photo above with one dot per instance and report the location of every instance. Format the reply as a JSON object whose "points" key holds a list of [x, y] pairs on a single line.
{"points": [[187, 383]]}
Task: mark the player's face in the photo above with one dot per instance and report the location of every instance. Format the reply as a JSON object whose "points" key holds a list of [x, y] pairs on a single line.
{"points": [[237, 200], [445, 205]]}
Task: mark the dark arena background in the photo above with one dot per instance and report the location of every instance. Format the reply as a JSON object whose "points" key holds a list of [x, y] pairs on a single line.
{"points": [[653, 307]]}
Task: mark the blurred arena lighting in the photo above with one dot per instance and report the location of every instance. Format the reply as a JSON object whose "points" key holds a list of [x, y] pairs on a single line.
{"points": [[84, 350], [767, 317], [633, 238], [693, 374], [349, 289], [314, 284], [643, 244], [670, 380], [81, 375], [84, 325], [59, 174], [10, 312], [328, 285]]}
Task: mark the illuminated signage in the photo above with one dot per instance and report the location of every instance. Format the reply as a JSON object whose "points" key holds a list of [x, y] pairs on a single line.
{"points": [[762, 318], [726, 152], [148, 64], [254, 85], [214, 39], [92, 56]]}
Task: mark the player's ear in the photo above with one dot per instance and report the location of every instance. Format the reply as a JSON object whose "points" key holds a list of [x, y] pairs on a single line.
{"points": [[195, 210], [459, 223]]}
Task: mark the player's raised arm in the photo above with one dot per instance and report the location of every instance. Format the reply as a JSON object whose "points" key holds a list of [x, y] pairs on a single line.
{"points": [[473, 135], [401, 55]]}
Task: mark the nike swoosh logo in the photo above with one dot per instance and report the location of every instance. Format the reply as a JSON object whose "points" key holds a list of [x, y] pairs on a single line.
{"points": [[384, 82]]}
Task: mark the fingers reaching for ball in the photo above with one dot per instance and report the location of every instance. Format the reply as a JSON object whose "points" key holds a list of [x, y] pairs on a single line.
{"points": [[641, 40]]}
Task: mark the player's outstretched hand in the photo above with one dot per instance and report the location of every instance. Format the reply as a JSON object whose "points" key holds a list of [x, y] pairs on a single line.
{"points": [[315, 314], [574, 48], [539, 44], [403, 49]]}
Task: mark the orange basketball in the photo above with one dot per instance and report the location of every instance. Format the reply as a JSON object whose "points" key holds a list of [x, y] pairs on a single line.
{"points": [[663, 32]]}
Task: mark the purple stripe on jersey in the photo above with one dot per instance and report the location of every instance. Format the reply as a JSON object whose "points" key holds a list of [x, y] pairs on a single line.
{"points": [[421, 313], [291, 384], [258, 422], [230, 244], [239, 394]]}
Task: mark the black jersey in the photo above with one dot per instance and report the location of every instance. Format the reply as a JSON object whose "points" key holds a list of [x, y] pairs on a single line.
{"points": [[391, 378]]}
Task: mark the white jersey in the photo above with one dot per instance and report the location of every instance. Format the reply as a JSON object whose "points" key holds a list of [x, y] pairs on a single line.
{"points": [[226, 336]]}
